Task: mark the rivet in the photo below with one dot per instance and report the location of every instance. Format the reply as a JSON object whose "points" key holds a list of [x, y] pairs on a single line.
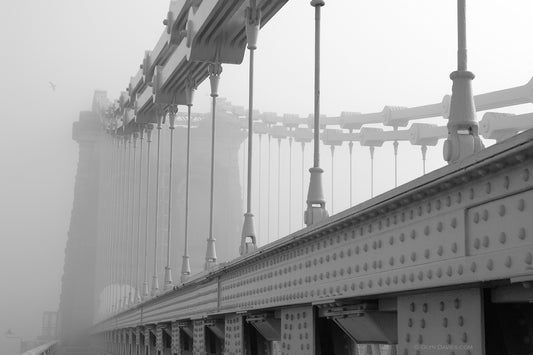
{"points": [[457, 303], [521, 205], [448, 201], [449, 271], [402, 237], [425, 308], [490, 264], [413, 256], [442, 306], [439, 272], [440, 226], [407, 338], [449, 339], [528, 259], [445, 321], [365, 247], [404, 278], [464, 338], [486, 241], [471, 193], [412, 277], [413, 234], [402, 259], [426, 230], [506, 182], [459, 197], [454, 222], [476, 217], [420, 339], [454, 247], [391, 240], [525, 175], [485, 215], [508, 261], [488, 187], [501, 210], [477, 243], [426, 253], [461, 321], [438, 205], [422, 323], [391, 261], [503, 237], [430, 274], [412, 307], [473, 267], [440, 250]]}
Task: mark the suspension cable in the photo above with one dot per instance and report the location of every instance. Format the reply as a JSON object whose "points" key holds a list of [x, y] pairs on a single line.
{"points": [[168, 271], [332, 148], [372, 148], [155, 281], [149, 128], [214, 71], [252, 18], [303, 183], [137, 277], [290, 184], [268, 188], [350, 150], [132, 194], [186, 266]]}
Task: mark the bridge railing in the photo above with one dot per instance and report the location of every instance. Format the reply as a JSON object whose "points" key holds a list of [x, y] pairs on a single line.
{"points": [[45, 349]]}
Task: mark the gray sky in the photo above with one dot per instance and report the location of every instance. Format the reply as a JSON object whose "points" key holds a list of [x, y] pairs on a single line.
{"points": [[375, 53]]}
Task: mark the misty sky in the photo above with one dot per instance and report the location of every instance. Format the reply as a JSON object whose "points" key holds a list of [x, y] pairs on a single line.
{"points": [[375, 53]]}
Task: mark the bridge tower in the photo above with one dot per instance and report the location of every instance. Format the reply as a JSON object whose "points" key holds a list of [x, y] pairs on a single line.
{"points": [[77, 301], [86, 269]]}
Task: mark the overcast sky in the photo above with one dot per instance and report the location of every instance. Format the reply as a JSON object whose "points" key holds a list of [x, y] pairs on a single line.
{"points": [[375, 53]]}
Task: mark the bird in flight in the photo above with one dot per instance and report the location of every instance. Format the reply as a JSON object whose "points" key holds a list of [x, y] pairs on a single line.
{"points": [[52, 85]]}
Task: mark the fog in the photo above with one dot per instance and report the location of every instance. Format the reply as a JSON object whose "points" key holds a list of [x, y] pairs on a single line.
{"points": [[375, 53]]}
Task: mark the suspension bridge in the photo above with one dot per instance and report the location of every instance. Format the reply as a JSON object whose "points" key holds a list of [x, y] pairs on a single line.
{"points": [[212, 233]]}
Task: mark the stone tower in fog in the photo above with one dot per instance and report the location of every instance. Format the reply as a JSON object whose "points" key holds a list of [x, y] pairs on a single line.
{"points": [[76, 304], [87, 264]]}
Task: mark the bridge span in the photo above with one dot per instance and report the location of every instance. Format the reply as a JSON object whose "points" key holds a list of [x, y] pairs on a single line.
{"points": [[442, 264], [445, 261]]}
